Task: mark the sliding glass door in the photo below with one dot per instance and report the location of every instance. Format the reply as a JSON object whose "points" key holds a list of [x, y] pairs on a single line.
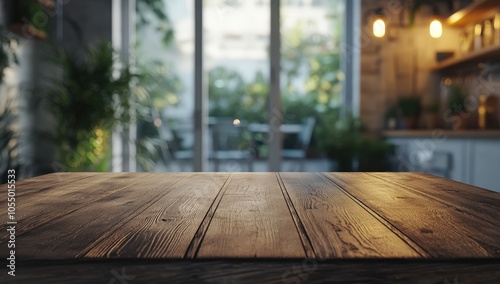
{"points": [[233, 82]]}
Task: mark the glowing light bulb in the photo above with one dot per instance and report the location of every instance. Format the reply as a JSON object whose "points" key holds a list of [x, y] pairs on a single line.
{"points": [[379, 28], [436, 29]]}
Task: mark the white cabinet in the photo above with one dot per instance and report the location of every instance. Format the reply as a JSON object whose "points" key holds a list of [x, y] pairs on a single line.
{"points": [[475, 161], [484, 164]]}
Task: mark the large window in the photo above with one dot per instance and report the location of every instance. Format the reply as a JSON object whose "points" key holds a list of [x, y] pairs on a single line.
{"points": [[237, 90]]}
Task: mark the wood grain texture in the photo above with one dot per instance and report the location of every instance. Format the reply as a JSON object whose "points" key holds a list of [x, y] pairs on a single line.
{"points": [[260, 271], [166, 228], [110, 208], [63, 197], [436, 227], [252, 221], [45, 182], [337, 226], [481, 203]]}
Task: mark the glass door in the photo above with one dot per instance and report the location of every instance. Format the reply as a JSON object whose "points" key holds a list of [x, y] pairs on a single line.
{"points": [[267, 81]]}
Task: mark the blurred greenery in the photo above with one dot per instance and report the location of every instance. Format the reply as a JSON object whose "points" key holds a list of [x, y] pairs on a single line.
{"points": [[31, 12], [8, 139], [410, 106], [157, 89], [153, 12], [231, 96], [8, 136], [8, 55], [307, 58], [456, 99], [347, 144], [88, 101]]}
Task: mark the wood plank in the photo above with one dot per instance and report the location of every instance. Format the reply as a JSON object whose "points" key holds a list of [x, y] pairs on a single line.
{"points": [[483, 204], [252, 220], [44, 182], [69, 236], [337, 226], [255, 271], [475, 12], [63, 198], [166, 228], [436, 227]]}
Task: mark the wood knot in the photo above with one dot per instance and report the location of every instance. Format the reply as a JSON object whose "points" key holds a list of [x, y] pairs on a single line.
{"points": [[426, 231]]}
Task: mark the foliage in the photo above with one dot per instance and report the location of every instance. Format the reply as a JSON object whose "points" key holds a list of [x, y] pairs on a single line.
{"points": [[304, 55], [346, 144], [432, 107], [29, 11], [7, 51], [314, 57], [8, 137], [456, 99], [156, 90], [392, 111], [88, 101], [8, 140], [410, 106], [231, 96], [226, 89], [155, 8]]}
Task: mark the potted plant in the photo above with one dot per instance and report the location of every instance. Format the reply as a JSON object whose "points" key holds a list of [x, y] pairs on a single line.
{"points": [[456, 107], [410, 108], [351, 150], [430, 114], [88, 101], [374, 155], [391, 117]]}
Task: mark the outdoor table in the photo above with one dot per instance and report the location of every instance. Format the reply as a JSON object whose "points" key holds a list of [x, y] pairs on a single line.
{"points": [[251, 228]]}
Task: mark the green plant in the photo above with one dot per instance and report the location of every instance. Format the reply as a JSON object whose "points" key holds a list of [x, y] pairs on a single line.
{"points": [[432, 107], [374, 154], [343, 140], [7, 51], [153, 12], [347, 143], [8, 140], [456, 99], [88, 101], [156, 90], [392, 111], [410, 106]]}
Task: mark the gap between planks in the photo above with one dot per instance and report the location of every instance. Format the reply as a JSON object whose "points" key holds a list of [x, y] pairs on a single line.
{"points": [[84, 252], [304, 237], [195, 244], [421, 251]]}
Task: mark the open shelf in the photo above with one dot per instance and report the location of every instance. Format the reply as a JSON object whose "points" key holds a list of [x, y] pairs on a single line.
{"points": [[473, 13], [475, 57]]}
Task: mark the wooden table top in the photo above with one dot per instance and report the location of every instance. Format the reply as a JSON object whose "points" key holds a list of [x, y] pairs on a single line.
{"points": [[279, 217]]}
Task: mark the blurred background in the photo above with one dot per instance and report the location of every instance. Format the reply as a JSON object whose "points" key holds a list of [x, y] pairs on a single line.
{"points": [[256, 85]]}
